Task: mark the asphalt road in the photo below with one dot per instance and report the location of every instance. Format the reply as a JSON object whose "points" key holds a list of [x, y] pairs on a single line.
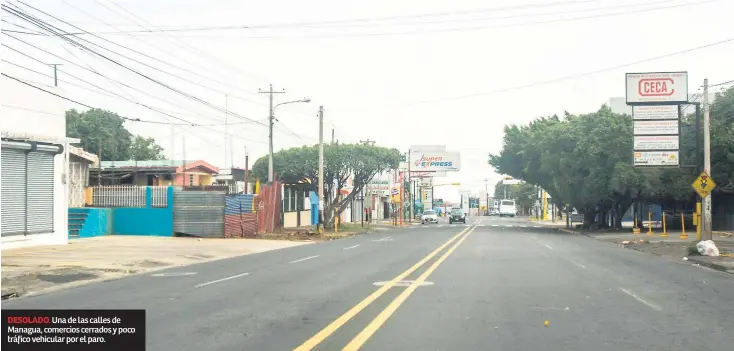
{"points": [[487, 286]]}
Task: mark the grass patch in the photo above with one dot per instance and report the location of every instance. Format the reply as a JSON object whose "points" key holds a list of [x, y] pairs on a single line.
{"points": [[692, 249]]}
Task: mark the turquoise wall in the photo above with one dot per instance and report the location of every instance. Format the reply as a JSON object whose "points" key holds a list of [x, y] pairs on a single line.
{"points": [[148, 220]]}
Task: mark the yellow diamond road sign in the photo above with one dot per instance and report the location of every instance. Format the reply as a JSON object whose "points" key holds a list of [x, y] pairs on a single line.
{"points": [[703, 185]]}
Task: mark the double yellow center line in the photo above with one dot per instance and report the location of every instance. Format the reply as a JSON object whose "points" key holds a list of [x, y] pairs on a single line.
{"points": [[381, 318]]}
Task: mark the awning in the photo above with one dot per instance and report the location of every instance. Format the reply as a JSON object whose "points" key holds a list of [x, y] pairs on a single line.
{"points": [[31, 146]]}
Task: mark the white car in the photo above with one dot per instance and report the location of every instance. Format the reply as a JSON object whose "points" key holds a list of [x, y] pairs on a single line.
{"points": [[429, 217]]}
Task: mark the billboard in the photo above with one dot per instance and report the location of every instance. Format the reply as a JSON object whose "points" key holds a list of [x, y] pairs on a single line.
{"points": [[435, 161], [655, 112], [656, 127], [378, 187], [657, 87], [656, 142], [657, 158]]}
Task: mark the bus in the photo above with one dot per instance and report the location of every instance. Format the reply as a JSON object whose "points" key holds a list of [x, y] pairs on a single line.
{"points": [[507, 208]]}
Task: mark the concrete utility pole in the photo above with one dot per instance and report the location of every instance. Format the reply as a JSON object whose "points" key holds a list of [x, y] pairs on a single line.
{"points": [[332, 135], [226, 128], [706, 233], [321, 167], [56, 80], [270, 120], [247, 169]]}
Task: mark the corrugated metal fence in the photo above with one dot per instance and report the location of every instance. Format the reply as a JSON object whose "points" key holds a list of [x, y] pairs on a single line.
{"points": [[239, 217], [199, 213], [268, 207]]}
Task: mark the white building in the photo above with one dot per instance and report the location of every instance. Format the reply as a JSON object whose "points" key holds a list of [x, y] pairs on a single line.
{"points": [[35, 166]]}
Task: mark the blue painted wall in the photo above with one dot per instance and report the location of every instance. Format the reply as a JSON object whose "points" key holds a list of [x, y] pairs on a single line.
{"points": [[98, 221], [148, 220], [314, 207]]}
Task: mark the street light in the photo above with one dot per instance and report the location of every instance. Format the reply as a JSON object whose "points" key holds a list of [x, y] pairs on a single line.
{"points": [[272, 117]]}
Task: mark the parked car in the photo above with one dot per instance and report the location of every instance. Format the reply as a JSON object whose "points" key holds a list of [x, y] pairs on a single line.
{"points": [[457, 215], [429, 216]]}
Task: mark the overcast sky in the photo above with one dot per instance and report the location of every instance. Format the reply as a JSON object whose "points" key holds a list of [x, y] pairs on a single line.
{"points": [[401, 72]]}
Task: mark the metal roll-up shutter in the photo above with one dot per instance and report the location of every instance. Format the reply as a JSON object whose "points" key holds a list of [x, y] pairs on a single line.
{"points": [[40, 189], [13, 192]]}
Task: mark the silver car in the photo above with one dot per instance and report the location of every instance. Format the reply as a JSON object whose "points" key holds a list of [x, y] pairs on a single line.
{"points": [[429, 217]]}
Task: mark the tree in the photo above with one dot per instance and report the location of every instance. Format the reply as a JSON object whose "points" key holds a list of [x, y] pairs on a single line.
{"points": [[585, 161], [341, 162], [145, 149], [97, 127]]}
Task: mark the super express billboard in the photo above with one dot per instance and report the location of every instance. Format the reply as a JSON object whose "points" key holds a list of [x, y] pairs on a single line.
{"points": [[435, 161]]}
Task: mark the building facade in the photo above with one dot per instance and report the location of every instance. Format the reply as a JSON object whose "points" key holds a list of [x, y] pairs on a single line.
{"points": [[35, 166]]}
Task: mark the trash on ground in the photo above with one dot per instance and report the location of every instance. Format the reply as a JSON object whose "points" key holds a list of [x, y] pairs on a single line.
{"points": [[707, 248]]}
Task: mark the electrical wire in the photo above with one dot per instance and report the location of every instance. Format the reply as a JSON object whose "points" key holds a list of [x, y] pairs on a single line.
{"points": [[360, 23], [564, 78], [168, 63], [45, 26], [722, 83], [87, 69], [124, 118], [453, 29]]}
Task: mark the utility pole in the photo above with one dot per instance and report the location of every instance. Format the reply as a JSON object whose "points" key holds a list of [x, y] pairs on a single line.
{"points": [[706, 233], [332, 135], [226, 128], [486, 195], [173, 143], [247, 169], [270, 119], [99, 158], [56, 80], [183, 144], [321, 168]]}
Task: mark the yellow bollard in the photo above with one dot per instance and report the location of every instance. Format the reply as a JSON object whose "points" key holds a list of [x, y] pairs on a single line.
{"points": [[698, 221], [635, 230], [649, 223], [683, 234], [665, 229]]}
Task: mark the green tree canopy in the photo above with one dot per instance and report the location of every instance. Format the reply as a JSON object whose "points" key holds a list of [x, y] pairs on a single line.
{"points": [[341, 161], [586, 160], [97, 127]]}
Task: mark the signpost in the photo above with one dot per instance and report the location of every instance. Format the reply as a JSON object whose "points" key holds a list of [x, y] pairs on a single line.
{"points": [[655, 98], [662, 88]]}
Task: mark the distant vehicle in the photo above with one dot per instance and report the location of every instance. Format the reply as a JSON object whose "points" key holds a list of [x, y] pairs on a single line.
{"points": [[494, 212], [429, 216], [507, 208], [457, 215]]}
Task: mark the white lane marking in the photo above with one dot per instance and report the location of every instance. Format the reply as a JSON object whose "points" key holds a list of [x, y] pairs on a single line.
{"points": [[221, 280], [578, 264], [495, 225], [351, 247], [389, 238], [524, 226], [508, 225], [536, 226], [657, 308], [534, 238], [440, 226], [548, 246], [172, 274], [304, 259]]}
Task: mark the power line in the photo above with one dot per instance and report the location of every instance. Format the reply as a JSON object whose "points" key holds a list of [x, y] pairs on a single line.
{"points": [[361, 22], [560, 79], [164, 62], [87, 69], [45, 26], [371, 19], [458, 29], [722, 83], [125, 118]]}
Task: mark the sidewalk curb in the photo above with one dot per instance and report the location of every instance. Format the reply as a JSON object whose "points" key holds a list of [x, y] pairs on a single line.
{"points": [[711, 265]]}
